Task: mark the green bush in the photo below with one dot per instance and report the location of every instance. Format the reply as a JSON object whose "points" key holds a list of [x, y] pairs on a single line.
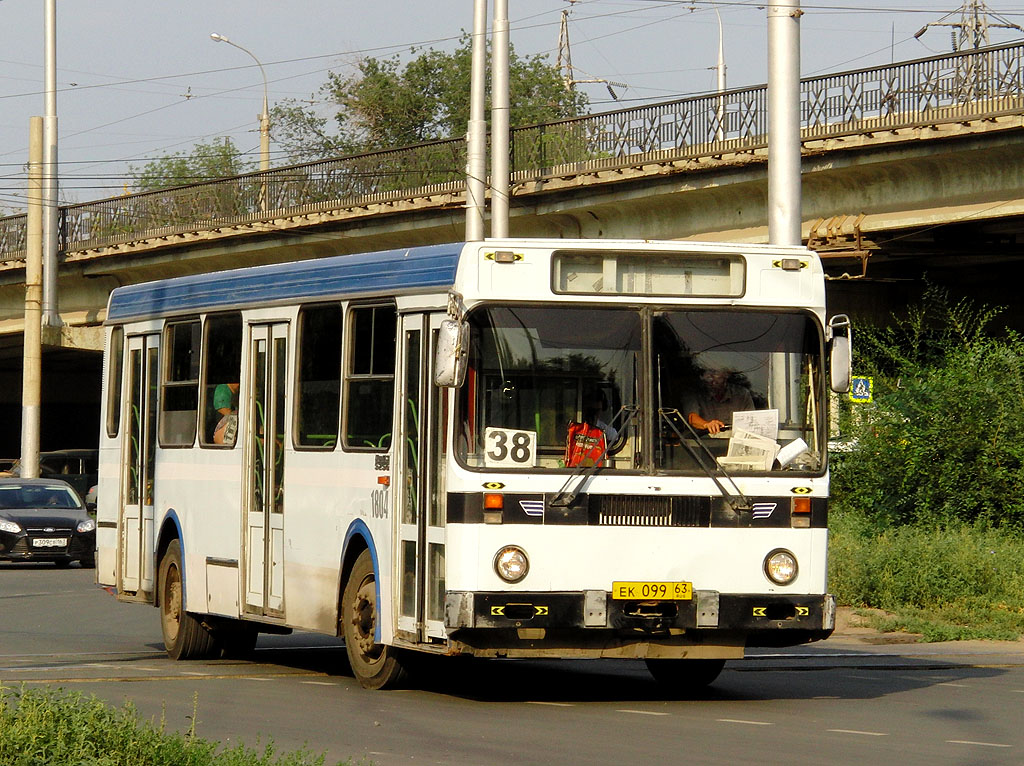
{"points": [[51, 727], [943, 441]]}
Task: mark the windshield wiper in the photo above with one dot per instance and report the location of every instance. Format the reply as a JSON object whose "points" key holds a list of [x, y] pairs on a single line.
{"points": [[566, 497], [737, 501]]}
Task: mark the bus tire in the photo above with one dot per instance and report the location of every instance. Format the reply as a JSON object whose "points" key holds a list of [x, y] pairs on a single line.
{"points": [[185, 637], [685, 676], [374, 665]]}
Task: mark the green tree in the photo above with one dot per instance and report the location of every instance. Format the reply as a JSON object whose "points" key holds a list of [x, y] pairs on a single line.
{"points": [[387, 104], [219, 158]]}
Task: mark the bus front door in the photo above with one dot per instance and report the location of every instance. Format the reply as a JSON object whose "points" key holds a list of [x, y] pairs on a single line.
{"points": [[419, 497], [135, 566], [264, 409]]}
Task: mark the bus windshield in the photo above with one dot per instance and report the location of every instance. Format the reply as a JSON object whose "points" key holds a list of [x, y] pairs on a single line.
{"points": [[643, 385]]}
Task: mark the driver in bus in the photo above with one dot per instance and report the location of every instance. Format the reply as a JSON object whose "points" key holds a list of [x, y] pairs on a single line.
{"points": [[719, 397]]}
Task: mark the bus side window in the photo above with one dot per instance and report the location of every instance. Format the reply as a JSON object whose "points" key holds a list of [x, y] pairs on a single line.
{"points": [[179, 403], [370, 379], [318, 384], [115, 359], [222, 362]]}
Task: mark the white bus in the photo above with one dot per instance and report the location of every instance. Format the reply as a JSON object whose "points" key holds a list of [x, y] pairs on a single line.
{"points": [[374, 446]]}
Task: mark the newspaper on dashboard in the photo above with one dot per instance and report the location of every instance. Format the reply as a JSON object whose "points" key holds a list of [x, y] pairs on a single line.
{"points": [[753, 441]]}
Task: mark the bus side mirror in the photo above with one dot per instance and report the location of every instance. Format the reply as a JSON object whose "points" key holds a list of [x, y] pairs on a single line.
{"points": [[452, 353], [840, 352]]}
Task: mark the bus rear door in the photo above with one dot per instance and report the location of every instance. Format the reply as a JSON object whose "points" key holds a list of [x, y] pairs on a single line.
{"points": [[263, 541], [138, 453]]}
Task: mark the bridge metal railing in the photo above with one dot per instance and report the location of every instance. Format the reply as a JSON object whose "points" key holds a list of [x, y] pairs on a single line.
{"points": [[950, 88]]}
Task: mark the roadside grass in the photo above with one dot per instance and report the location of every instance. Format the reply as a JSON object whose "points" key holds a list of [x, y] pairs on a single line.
{"points": [[47, 727], [954, 583]]}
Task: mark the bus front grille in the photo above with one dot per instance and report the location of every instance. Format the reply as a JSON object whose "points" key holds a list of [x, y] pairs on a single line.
{"points": [[647, 511]]}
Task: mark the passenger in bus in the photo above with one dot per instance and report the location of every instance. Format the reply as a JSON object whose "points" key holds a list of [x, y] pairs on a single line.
{"points": [[225, 402], [721, 393]]}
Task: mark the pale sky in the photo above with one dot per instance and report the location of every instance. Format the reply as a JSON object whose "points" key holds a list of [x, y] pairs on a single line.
{"points": [[139, 79]]}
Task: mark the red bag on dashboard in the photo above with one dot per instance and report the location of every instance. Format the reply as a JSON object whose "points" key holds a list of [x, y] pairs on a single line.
{"points": [[584, 445]]}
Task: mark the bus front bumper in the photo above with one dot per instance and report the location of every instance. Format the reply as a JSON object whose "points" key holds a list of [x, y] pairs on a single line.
{"points": [[594, 618]]}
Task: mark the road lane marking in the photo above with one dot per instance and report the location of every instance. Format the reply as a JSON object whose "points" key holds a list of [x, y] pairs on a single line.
{"points": [[146, 679], [319, 683], [863, 733], [748, 723], [552, 704], [641, 712], [949, 683], [978, 744]]}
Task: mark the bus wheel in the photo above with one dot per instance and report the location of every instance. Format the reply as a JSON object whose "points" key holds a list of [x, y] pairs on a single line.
{"points": [[685, 676], [184, 636], [374, 665]]}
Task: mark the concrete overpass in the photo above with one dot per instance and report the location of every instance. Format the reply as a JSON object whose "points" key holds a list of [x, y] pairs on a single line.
{"points": [[906, 168]]}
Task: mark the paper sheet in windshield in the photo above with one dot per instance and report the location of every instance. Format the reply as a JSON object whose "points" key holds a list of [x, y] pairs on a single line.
{"points": [[761, 422], [749, 451]]}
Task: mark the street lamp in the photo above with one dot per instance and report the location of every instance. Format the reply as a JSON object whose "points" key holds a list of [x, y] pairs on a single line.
{"points": [[263, 118]]}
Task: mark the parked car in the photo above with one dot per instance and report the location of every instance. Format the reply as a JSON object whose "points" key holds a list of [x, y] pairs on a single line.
{"points": [[78, 467], [45, 520]]}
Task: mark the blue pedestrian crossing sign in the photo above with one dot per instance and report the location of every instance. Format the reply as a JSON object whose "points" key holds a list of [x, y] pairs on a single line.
{"points": [[861, 389]]}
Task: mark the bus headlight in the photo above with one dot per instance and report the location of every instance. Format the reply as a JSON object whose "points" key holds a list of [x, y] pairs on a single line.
{"points": [[780, 567], [511, 563]]}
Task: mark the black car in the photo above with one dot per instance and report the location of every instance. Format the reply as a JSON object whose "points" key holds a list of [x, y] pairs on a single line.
{"points": [[45, 520]]}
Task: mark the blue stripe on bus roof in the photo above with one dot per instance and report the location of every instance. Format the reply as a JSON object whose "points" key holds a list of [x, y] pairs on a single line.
{"points": [[389, 271]]}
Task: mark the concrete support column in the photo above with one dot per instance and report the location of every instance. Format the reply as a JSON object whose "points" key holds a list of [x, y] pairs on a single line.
{"points": [[33, 354]]}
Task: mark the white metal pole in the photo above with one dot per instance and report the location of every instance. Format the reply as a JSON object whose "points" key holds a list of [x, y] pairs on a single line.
{"points": [[720, 133], [476, 134], [32, 362], [51, 211], [784, 122], [500, 149]]}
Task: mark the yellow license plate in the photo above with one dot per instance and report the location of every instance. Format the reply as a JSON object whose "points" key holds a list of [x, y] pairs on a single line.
{"points": [[669, 591]]}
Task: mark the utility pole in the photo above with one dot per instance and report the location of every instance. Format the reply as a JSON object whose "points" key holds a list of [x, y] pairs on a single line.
{"points": [[720, 67], [33, 354], [500, 149], [476, 135], [969, 33], [51, 222], [784, 217], [972, 29], [564, 61]]}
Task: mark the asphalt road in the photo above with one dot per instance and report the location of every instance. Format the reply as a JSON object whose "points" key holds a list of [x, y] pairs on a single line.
{"points": [[842, 701]]}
